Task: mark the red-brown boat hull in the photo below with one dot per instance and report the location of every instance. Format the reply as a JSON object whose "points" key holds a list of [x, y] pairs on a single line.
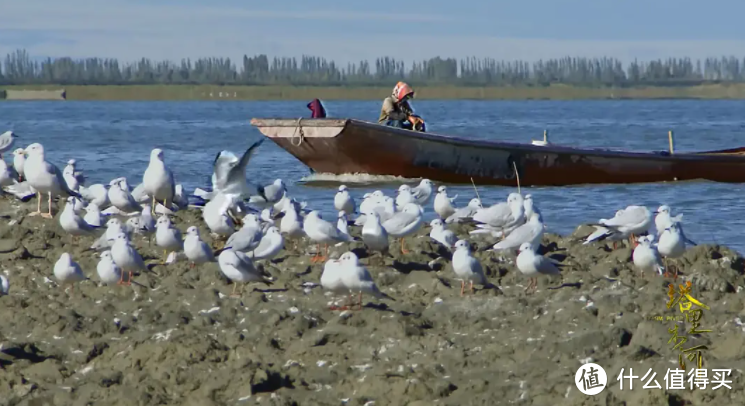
{"points": [[339, 146]]}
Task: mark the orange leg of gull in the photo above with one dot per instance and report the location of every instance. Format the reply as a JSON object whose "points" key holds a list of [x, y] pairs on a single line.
{"points": [[462, 287], [235, 294], [38, 205], [360, 300], [48, 214], [471, 287], [403, 249], [318, 254], [326, 249], [632, 240]]}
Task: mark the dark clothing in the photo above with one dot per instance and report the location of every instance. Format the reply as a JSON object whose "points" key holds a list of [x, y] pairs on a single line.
{"points": [[316, 108], [405, 124]]}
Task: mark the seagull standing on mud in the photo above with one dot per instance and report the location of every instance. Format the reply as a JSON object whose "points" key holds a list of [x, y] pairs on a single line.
{"points": [[343, 201], [322, 232], [158, 180], [196, 250], [404, 223], [443, 203], [531, 264], [467, 267], [19, 158], [68, 271], [44, 177], [646, 257]]}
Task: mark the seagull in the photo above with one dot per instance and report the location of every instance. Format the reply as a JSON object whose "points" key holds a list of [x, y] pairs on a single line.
{"points": [[357, 279], [230, 172], [342, 224], [602, 233], [663, 220], [167, 236], [322, 232], [44, 177], [19, 158], [465, 212], [370, 200], [248, 237], [633, 220], [4, 285], [405, 222], [121, 198], [269, 194], [467, 267], [672, 244], [97, 194], [270, 245], [71, 222], [158, 180], [7, 139], [441, 234], [343, 201], [238, 267], [529, 206], [216, 215], [423, 192], [331, 279], [7, 177], [196, 250], [646, 257], [290, 225], [68, 271], [404, 197], [113, 227], [531, 265], [385, 209], [443, 203], [374, 235], [93, 215], [503, 216], [108, 271], [126, 257], [146, 221], [530, 232], [72, 177]]}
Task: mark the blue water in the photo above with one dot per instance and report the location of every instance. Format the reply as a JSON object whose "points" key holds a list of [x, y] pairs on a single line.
{"points": [[112, 139]]}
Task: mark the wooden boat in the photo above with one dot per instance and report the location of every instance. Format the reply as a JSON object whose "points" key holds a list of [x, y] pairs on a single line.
{"points": [[340, 146]]}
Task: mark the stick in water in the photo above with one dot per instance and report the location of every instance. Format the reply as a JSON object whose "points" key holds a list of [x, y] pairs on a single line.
{"points": [[477, 191], [516, 176]]}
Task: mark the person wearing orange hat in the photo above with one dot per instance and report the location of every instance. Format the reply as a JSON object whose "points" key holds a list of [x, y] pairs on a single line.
{"points": [[396, 111]]}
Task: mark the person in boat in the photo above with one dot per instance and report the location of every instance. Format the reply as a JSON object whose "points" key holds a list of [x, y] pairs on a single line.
{"points": [[396, 110], [316, 109]]}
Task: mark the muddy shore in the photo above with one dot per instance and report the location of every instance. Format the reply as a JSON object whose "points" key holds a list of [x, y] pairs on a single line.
{"points": [[182, 340]]}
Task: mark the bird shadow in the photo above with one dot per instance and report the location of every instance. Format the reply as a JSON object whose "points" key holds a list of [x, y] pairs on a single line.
{"points": [[408, 267], [576, 285], [270, 290], [381, 307]]}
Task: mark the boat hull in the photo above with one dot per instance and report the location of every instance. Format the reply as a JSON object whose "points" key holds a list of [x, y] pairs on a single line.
{"points": [[340, 146]]}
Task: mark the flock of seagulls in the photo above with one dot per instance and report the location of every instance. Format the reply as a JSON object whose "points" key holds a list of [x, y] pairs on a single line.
{"points": [[251, 223]]}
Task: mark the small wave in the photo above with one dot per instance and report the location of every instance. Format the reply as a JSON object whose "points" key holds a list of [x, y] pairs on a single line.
{"points": [[354, 179]]}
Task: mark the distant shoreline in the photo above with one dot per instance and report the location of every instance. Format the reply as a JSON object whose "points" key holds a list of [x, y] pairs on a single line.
{"points": [[259, 93]]}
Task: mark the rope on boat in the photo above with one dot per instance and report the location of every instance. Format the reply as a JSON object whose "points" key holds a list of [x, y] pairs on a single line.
{"points": [[301, 134]]}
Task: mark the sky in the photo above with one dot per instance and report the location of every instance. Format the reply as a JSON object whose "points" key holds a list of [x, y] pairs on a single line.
{"points": [[351, 30]]}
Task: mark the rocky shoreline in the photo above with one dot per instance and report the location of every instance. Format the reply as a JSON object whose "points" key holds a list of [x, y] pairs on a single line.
{"points": [[181, 339]]}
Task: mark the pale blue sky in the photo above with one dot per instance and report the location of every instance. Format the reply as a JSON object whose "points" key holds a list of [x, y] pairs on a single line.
{"points": [[351, 30]]}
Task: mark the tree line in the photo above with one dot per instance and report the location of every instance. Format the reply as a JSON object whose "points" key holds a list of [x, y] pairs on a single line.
{"points": [[19, 68]]}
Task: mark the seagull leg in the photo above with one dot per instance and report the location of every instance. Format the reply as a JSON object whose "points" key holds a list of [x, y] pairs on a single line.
{"points": [[530, 282], [322, 258], [235, 286], [48, 215], [165, 257], [632, 240], [152, 206], [667, 271], [38, 205], [318, 252], [462, 286], [614, 245], [471, 286], [403, 248], [360, 300]]}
